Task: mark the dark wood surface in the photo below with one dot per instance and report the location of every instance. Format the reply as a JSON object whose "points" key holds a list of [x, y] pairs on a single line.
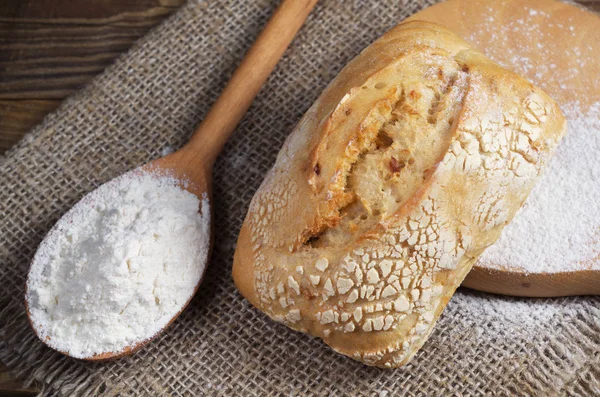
{"points": [[51, 48]]}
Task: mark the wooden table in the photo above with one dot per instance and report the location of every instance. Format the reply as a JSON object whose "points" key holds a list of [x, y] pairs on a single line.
{"points": [[51, 48]]}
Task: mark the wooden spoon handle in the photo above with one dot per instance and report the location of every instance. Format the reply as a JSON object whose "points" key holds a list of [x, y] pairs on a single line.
{"points": [[228, 110]]}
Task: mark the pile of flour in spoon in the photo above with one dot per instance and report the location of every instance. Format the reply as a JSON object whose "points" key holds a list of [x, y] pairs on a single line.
{"points": [[119, 265]]}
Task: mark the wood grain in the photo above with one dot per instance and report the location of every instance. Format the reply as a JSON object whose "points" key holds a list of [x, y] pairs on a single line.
{"points": [[51, 48], [593, 5], [9, 386]]}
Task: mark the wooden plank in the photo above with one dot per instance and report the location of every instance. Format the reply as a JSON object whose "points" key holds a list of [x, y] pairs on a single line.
{"points": [[592, 5], [50, 48], [18, 116], [9, 386]]}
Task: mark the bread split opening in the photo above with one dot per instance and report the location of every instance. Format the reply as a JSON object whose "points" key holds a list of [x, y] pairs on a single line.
{"points": [[392, 149]]}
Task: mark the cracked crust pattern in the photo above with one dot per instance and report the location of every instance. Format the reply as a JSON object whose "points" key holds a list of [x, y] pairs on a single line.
{"points": [[402, 173]]}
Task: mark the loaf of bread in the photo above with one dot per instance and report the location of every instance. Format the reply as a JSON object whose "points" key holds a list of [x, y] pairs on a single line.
{"points": [[398, 177]]}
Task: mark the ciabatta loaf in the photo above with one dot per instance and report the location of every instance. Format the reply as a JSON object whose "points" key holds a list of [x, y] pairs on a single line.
{"points": [[398, 177]]}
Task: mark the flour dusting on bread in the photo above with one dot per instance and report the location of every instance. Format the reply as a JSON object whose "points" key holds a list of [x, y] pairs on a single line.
{"points": [[402, 173]]}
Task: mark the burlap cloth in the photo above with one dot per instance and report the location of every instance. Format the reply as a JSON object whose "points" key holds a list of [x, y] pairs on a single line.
{"points": [[147, 104]]}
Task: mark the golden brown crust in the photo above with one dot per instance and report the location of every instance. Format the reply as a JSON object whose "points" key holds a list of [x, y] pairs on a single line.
{"points": [[405, 169]]}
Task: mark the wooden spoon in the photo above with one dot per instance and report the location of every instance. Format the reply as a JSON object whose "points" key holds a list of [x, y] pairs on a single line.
{"points": [[194, 162], [573, 78]]}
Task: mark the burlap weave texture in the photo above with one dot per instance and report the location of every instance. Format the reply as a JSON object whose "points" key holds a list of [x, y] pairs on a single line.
{"points": [[149, 103]]}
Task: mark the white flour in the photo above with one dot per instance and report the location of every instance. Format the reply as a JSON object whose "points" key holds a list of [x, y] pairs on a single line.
{"points": [[558, 228], [493, 316], [119, 265]]}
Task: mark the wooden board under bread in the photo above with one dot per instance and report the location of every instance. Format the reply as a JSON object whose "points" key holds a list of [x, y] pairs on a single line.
{"points": [[563, 58]]}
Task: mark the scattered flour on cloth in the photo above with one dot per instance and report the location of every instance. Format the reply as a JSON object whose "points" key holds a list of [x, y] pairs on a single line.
{"points": [[119, 265], [521, 317]]}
